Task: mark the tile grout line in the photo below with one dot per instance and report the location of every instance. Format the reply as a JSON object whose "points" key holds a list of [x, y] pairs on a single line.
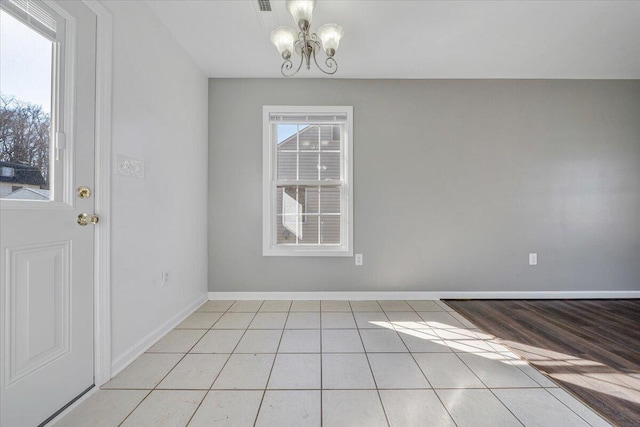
{"points": [[189, 352], [579, 401], [480, 379], [366, 355], [453, 352], [235, 347], [540, 386], [523, 359], [419, 367], [223, 365], [315, 389], [482, 351], [170, 370], [321, 363], [521, 370], [406, 346], [209, 390], [472, 371], [194, 345], [328, 352], [264, 393], [358, 329], [136, 407], [416, 362]]}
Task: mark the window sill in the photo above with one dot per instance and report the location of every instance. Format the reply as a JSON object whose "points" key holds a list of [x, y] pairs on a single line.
{"points": [[339, 251]]}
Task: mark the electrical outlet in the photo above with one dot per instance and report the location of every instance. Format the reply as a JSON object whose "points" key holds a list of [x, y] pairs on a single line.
{"points": [[533, 259], [359, 259], [165, 278]]}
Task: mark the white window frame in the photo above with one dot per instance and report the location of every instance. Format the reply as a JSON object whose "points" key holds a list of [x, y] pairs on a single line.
{"points": [[270, 183], [61, 140]]}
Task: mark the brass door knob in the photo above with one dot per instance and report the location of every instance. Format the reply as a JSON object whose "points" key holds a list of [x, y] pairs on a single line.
{"points": [[84, 219]]}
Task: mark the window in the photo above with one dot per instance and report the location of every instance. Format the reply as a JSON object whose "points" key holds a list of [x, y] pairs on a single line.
{"points": [[32, 38], [7, 172], [307, 191]]}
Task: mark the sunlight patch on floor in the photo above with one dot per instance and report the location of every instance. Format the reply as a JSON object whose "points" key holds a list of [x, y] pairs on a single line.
{"points": [[456, 338], [489, 347], [590, 374]]}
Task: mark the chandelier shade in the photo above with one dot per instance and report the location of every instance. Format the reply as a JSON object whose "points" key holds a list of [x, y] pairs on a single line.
{"points": [[330, 35], [284, 39], [301, 10]]}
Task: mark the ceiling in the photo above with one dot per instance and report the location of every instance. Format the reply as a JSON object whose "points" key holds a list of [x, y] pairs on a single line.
{"points": [[401, 39]]}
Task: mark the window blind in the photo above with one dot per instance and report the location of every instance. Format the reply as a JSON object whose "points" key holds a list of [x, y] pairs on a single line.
{"points": [[308, 118], [35, 14]]}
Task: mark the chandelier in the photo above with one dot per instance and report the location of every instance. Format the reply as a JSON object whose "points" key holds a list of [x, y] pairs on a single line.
{"points": [[306, 44]]}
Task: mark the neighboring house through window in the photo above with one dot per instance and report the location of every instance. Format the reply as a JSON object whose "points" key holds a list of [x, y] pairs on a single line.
{"points": [[307, 166]]}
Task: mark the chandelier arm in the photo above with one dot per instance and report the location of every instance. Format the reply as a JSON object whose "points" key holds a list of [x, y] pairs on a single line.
{"points": [[287, 65], [329, 62]]}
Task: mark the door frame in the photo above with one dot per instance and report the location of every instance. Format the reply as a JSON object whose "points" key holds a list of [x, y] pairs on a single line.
{"points": [[102, 241]]}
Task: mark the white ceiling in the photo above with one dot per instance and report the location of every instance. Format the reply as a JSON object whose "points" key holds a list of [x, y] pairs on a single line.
{"points": [[421, 39]]}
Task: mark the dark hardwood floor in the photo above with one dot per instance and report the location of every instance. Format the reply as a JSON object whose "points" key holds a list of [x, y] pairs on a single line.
{"points": [[589, 347]]}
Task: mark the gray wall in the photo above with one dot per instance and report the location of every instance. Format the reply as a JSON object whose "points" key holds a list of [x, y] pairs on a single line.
{"points": [[455, 182]]}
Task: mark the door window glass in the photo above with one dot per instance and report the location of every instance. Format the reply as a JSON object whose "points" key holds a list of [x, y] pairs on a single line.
{"points": [[27, 56]]}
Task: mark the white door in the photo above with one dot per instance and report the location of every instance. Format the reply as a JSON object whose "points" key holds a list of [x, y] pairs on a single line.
{"points": [[47, 80]]}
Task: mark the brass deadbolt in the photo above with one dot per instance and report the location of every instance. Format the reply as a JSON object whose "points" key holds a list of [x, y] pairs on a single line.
{"points": [[83, 192]]}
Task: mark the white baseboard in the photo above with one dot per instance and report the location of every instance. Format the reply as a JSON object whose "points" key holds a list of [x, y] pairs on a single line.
{"points": [[135, 351], [435, 295]]}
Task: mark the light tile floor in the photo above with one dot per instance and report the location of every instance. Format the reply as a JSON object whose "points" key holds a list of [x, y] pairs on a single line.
{"points": [[329, 363]]}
